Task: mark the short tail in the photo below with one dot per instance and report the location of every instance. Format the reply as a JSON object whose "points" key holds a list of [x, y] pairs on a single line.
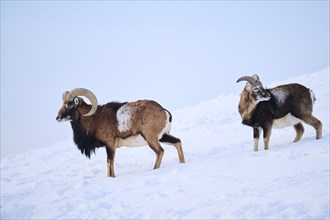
{"points": [[312, 96], [169, 113]]}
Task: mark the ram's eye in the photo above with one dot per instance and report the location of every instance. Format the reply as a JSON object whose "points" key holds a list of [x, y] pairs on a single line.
{"points": [[255, 89]]}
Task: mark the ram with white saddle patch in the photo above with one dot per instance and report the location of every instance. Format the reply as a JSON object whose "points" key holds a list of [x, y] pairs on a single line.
{"points": [[131, 124], [279, 107]]}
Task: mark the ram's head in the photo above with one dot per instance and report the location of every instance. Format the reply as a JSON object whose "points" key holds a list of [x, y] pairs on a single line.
{"points": [[71, 102], [255, 89]]}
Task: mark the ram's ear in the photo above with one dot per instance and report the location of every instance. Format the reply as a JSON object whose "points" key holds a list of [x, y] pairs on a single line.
{"points": [[65, 95], [248, 87], [256, 77]]}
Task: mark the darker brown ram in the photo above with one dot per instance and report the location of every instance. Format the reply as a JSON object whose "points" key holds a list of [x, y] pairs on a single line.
{"points": [[282, 106]]}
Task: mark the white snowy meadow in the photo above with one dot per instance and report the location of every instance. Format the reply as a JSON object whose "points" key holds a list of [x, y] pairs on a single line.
{"points": [[222, 177]]}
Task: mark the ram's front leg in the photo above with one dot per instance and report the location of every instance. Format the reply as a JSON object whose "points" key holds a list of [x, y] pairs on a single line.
{"points": [[256, 135], [111, 151], [267, 130]]}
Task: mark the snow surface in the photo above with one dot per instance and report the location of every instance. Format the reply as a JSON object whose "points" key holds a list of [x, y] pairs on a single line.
{"points": [[222, 177]]}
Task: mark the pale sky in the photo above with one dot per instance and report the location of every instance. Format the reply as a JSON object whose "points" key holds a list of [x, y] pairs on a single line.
{"points": [[177, 53]]}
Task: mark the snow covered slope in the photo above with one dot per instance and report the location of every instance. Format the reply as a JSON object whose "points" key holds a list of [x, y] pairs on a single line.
{"points": [[222, 176]]}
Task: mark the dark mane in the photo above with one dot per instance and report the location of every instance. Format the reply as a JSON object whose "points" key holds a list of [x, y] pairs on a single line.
{"points": [[85, 142], [262, 113]]}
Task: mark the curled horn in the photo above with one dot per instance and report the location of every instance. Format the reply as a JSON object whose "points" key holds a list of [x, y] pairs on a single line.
{"points": [[247, 78], [86, 93]]}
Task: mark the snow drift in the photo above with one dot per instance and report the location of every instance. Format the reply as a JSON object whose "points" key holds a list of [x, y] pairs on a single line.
{"points": [[222, 176]]}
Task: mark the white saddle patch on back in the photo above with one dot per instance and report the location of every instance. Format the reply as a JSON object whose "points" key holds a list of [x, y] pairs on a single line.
{"points": [[286, 121], [124, 115], [280, 96]]}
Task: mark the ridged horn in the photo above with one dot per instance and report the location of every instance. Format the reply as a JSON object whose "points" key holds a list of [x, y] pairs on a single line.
{"points": [[86, 93], [247, 78]]}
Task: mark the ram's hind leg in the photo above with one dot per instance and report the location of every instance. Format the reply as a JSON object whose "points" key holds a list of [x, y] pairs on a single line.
{"points": [[299, 131], [155, 146], [311, 120], [176, 142], [308, 118]]}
